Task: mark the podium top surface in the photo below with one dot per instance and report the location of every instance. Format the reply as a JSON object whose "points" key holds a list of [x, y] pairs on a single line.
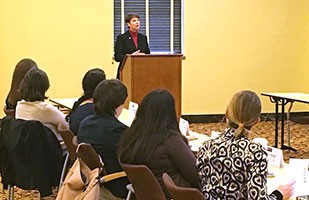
{"points": [[156, 55]]}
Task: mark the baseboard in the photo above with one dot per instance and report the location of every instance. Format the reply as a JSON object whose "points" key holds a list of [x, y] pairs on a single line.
{"points": [[215, 118]]}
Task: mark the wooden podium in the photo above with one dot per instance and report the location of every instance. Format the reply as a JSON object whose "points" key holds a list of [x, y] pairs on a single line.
{"points": [[144, 73]]}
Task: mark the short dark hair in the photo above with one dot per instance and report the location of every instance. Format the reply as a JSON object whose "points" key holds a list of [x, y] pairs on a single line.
{"points": [[130, 16], [91, 79], [34, 85], [109, 95]]}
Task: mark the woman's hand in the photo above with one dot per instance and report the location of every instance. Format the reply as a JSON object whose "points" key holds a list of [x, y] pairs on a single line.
{"points": [[138, 52], [287, 190]]}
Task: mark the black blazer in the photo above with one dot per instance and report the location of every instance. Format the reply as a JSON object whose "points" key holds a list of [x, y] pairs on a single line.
{"points": [[125, 45]]}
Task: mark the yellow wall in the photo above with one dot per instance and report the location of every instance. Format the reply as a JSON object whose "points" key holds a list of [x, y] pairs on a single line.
{"points": [[262, 45], [238, 44]]}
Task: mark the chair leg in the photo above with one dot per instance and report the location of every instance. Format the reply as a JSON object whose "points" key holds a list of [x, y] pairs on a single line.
{"points": [[10, 192], [65, 164], [130, 189], [129, 195]]}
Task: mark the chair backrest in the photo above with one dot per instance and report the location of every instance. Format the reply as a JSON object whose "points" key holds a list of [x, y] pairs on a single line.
{"points": [[145, 184], [9, 112], [90, 157], [67, 137], [180, 193]]}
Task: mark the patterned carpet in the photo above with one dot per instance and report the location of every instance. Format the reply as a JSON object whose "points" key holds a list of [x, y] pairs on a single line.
{"points": [[299, 140], [266, 129]]}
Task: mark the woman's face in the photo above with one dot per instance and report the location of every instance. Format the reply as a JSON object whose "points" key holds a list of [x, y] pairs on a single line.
{"points": [[134, 24]]}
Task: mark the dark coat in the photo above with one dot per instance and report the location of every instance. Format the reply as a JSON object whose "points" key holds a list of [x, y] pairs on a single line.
{"points": [[30, 155], [125, 45], [103, 132]]}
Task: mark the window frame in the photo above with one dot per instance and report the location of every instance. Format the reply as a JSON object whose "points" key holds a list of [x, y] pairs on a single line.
{"points": [[147, 24]]}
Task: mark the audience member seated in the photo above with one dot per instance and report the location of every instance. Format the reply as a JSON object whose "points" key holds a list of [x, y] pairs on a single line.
{"points": [[154, 140], [32, 105], [19, 73], [103, 130], [231, 166], [84, 105]]}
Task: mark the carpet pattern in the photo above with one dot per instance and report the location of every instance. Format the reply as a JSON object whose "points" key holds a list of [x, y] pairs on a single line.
{"points": [[299, 135]]}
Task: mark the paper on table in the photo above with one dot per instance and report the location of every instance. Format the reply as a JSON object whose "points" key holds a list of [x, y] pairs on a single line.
{"points": [[275, 157], [215, 134], [299, 170], [184, 126], [199, 140]]}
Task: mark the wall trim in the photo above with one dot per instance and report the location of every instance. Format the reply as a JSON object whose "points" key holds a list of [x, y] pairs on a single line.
{"points": [[215, 118]]}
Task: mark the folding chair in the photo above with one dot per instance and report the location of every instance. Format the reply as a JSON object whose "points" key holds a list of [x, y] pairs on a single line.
{"points": [[181, 193]]}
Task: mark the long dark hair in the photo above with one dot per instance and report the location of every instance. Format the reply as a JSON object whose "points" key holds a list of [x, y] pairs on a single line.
{"points": [[90, 81], [155, 120], [22, 67]]}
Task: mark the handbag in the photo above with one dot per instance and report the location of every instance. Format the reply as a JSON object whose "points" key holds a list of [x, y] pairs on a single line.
{"points": [[80, 183]]}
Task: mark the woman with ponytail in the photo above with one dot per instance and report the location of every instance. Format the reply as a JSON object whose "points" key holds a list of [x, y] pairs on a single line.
{"points": [[84, 105], [231, 166]]}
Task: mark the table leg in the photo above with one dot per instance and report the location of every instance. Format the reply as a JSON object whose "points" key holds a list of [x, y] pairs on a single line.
{"points": [[282, 123], [276, 123], [284, 147]]}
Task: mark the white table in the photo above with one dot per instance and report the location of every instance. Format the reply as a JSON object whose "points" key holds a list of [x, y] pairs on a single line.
{"points": [[67, 103], [196, 140]]}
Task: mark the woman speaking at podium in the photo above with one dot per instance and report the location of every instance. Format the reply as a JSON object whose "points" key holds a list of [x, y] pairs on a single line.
{"points": [[130, 42]]}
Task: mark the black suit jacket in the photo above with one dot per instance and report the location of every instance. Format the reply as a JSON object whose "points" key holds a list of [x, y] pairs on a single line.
{"points": [[125, 45]]}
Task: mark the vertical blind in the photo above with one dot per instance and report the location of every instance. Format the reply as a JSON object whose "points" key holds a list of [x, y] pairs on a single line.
{"points": [[161, 24]]}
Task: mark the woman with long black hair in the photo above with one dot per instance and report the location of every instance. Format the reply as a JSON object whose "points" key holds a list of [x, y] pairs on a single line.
{"points": [[154, 140]]}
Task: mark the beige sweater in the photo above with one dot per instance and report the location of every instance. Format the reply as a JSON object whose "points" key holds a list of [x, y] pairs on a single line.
{"points": [[41, 111]]}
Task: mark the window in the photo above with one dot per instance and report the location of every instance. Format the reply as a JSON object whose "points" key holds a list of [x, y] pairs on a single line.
{"points": [[163, 29]]}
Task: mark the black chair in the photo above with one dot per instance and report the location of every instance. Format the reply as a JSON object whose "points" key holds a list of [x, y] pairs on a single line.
{"points": [[30, 156]]}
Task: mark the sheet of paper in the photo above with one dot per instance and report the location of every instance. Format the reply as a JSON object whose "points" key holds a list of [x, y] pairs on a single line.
{"points": [[132, 109], [184, 127], [275, 157], [299, 171]]}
